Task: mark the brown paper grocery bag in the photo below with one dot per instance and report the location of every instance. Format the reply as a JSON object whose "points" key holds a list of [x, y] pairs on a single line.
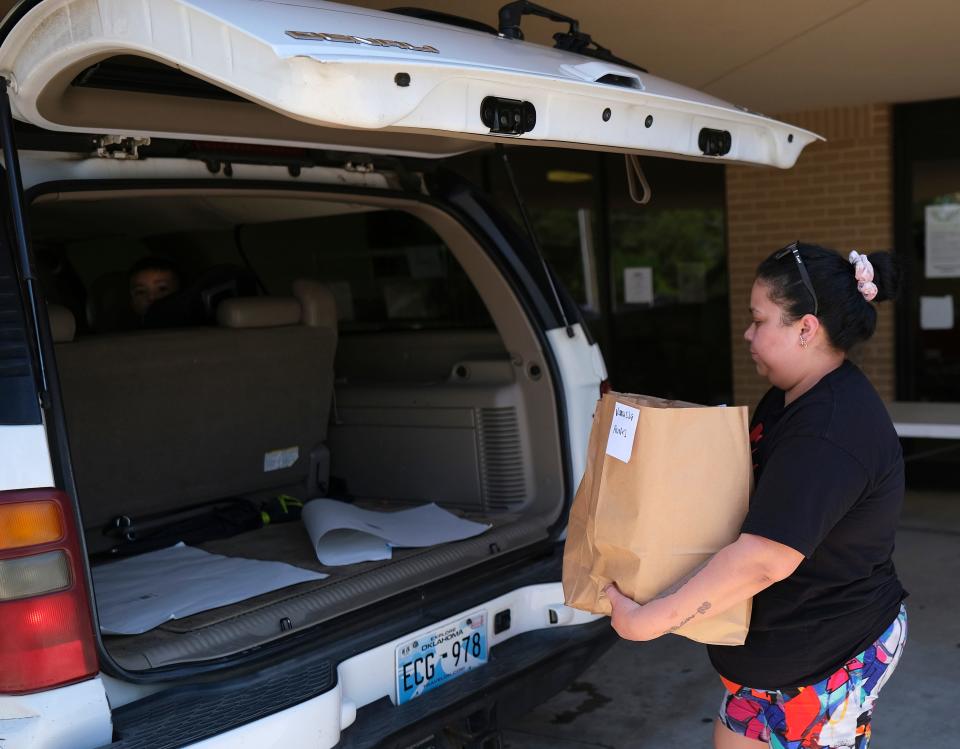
{"points": [[666, 486]]}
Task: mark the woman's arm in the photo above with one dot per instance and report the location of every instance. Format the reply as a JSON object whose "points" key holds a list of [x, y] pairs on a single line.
{"points": [[734, 574]]}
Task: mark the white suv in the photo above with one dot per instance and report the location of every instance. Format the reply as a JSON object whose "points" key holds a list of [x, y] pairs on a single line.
{"points": [[352, 321]]}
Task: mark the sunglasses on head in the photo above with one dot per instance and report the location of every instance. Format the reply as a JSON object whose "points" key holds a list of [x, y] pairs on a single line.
{"points": [[794, 248]]}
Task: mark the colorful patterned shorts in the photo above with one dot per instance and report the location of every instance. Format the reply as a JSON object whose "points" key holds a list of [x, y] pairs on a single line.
{"points": [[832, 714]]}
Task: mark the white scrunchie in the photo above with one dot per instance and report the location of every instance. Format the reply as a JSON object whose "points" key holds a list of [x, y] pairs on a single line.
{"points": [[863, 271]]}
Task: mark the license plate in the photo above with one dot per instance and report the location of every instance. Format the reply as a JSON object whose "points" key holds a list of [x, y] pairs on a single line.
{"points": [[435, 658]]}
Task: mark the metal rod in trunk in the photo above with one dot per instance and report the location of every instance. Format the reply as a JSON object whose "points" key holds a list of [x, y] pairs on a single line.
{"points": [[19, 223], [533, 238]]}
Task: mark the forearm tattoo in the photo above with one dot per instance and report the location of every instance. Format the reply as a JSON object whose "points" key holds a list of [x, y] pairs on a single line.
{"points": [[703, 608]]}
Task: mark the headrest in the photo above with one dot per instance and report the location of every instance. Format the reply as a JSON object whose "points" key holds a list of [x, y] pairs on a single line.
{"points": [[258, 312], [318, 303], [63, 325]]}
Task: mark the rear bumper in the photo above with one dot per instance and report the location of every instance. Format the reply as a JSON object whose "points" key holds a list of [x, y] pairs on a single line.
{"points": [[325, 698], [522, 673]]}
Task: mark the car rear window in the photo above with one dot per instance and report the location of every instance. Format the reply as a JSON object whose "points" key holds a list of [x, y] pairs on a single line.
{"points": [[386, 268]]}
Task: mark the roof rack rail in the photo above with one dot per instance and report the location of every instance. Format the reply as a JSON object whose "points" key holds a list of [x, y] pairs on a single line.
{"points": [[572, 40]]}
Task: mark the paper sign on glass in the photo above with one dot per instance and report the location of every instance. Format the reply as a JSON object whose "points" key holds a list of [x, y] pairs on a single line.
{"points": [[936, 312], [942, 239], [622, 430], [638, 285]]}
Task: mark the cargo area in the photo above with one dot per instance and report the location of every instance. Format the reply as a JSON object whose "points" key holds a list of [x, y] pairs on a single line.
{"points": [[361, 348]]}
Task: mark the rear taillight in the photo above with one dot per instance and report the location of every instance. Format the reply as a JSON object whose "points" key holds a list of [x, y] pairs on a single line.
{"points": [[46, 630]]}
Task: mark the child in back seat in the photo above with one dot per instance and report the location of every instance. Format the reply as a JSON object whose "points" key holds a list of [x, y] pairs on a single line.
{"points": [[151, 279]]}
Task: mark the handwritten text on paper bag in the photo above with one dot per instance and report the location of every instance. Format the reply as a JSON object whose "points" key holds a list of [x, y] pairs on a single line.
{"points": [[622, 429]]}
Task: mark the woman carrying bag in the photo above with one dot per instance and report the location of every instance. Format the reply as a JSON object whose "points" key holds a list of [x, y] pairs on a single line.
{"points": [[828, 624]]}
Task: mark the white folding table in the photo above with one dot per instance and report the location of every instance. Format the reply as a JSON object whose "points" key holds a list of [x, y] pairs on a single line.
{"points": [[927, 420]]}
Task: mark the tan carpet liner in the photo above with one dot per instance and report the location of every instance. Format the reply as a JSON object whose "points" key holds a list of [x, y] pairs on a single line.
{"points": [[230, 629]]}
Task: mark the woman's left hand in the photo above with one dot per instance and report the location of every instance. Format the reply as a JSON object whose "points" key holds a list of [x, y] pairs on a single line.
{"points": [[628, 617]]}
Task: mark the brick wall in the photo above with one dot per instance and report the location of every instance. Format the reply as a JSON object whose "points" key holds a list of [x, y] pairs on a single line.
{"points": [[840, 195]]}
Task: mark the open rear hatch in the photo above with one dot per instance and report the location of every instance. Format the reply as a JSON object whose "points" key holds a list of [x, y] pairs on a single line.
{"points": [[311, 73]]}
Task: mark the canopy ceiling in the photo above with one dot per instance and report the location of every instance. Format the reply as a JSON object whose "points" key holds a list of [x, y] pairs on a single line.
{"points": [[769, 55]]}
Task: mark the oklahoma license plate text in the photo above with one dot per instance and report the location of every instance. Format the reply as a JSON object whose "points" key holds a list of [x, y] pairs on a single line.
{"points": [[435, 658]]}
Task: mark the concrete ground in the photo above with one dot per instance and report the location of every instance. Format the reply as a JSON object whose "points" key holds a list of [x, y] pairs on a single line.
{"points": [[614, 705]]}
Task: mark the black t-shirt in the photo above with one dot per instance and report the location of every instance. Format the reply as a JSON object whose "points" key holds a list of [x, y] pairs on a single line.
{"points": [[829, 483]]}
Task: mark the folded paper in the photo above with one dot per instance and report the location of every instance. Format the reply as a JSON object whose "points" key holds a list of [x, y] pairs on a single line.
{"points": [[139, 593], [345, 534]]}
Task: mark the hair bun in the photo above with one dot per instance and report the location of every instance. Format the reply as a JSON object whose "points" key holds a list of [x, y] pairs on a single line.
{"points": [[886, 275]]}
